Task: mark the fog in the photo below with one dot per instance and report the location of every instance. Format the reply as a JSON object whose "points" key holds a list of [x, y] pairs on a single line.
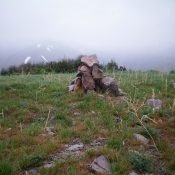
{"points": [[136, 33]]}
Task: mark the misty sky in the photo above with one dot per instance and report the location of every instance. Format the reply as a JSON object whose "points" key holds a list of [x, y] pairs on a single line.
{"points": [[122, 27]]}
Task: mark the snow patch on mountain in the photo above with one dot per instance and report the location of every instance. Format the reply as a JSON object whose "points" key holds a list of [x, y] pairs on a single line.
{"points": [[27, 59], [44, 59]]}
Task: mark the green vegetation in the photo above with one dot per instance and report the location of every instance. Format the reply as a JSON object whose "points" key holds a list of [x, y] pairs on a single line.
{"points": [[140, 162], [30, 103], [6, 167], [61, 66]]}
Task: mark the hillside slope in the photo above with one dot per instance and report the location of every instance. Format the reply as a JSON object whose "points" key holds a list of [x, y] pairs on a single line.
{"points": [[45, 129]]}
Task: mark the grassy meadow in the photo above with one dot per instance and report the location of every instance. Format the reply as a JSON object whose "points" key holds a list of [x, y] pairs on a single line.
{"points": [[30, 103]]}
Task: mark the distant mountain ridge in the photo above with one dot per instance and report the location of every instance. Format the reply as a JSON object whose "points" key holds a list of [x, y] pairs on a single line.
{"points": [[52, 51], [39, 52]]}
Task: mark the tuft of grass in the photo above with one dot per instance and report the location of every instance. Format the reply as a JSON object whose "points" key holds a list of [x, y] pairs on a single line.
{"points": [[120, 164], [115, 143], [63, 119], [66, 133], [90, 124], [31, 161], [171, 166], [3, 146], [6, 167], [33, 130], [153, 131], [140, 162]]}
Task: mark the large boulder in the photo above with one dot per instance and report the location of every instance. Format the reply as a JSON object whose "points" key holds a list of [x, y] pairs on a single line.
{"points": [[101, 165], [109, 84]]}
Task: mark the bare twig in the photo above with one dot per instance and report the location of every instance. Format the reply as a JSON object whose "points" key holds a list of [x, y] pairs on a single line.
{"points": [[134, 111], [20, 125], [166, 87], [149, 119], [2, 113], [48, 116], [173, 107]]}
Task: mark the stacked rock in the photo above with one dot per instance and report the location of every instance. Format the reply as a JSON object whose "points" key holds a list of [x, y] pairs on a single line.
{"points": [[90, 77]]}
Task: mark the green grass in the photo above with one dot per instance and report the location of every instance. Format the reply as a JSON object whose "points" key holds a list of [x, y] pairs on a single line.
{"points": [[140, 162], [27, 99], [6, 168]]}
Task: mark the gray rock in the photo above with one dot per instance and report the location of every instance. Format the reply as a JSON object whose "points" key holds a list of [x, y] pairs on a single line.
{"points": [[76, 113], [49, 165], [109, 85], [118, 119], [71, 87], [32, 172], [93, 112], [141, 138], [154, 103], [133, 173], [144, 118], [50, 130], [95, 143], [75, 147], [108, 80], [121, 93], [100, 165], [89, 60]]}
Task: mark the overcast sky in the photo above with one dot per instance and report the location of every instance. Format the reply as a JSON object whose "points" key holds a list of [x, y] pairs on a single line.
{"points": [[111, 26]]}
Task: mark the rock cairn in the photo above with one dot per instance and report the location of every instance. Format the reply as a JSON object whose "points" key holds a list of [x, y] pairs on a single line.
{"points": [[91, 78]]}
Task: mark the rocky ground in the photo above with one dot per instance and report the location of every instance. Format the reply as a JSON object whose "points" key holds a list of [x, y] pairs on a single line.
{"points": [[46, 130]]}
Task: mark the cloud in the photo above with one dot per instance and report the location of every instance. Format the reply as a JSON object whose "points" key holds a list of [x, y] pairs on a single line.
{"points": [[115, 26]]}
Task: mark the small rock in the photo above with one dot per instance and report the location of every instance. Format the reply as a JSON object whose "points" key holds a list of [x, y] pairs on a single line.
{"points": [[121, 93], [100, 165], [32, 172], [71, 88], [101, 96], [49, 165], [76, 113], [50, 130], [141, 138], [8, 130], [93, 112], [75, 141], [154, 103], [95, 143], [144, 118], [75, 147], [118, 119], [133, 173]]}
